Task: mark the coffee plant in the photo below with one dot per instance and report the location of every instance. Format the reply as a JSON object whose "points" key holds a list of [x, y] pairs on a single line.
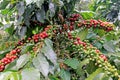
{"points": [[50, 40]]}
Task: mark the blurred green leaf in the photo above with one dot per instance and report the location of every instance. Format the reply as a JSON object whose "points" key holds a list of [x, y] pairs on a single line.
{"points": [[109, 46], [65, 75], [91, 76], [50, 54], [41, 63], [23, 59], [87, 14], [82, 34], [80, 70], [10, 30], [30, 74], [10, 76], [4, 3], [73, 63]]}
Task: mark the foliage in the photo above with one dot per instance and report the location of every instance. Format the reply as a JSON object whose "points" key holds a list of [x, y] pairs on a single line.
{"points": [[108, 8], [52, 41]]}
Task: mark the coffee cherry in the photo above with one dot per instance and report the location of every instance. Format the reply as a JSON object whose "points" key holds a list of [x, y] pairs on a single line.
{"points": [[103, 57], [97, 51], [13, 52], [29, 39], [71, 28], [75, 43], [18, 50]]}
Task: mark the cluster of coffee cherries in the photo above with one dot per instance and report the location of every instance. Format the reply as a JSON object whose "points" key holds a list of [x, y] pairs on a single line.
{"points": [[12, 55], [93, 54], [96, 24], [41, 35], [72, 19], [9, 58]]}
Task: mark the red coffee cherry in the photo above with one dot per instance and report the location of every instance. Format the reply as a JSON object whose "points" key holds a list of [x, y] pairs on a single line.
{"points": [[103, 57], [13, 52]]}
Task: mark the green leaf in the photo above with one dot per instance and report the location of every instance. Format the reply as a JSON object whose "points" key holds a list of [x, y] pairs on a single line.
{"points": [[49, 52], [82, 34], [1, 24], [91, 35], [73, 63], [100, 32], [51, 10], [48, 42], [68, 1], [91, 76], [53, 78], [98, 45], [10, 76], [65, 75], [99, 76], [79, 70], [23, 59], [30, 74], [10, 30], [87, 14], [21, 8], [40, 15], [11, 66], [15, 76], [39, 3], [102, 76], [27, 48], [5, 11], [29, 1], [3, 4], [117, 63], [41, 63], [90, 68], [109, 46]]}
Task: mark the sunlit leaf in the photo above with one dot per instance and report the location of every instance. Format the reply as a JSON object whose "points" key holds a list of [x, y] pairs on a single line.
{"points": [[72, 63], [23, 59], [91, 76], [30, 74], [41, 64], [65, 75], [50, 54]]}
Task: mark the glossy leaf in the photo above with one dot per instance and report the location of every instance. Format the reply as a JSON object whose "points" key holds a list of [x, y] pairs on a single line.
{"points": [[41, 64], [50, 54], [30, 74], [48, 42], [87, 14], [80, 70], [91, 76], [10, 76], [23, 59], [65, 75], [82, 34], [109, 46], [73, 63]]}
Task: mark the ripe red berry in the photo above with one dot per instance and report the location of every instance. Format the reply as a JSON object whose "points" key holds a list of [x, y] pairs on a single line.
{"points": [[78, 39], [36, 40], [71, 28], [18, 50], [69, 34], [103, 57], [72, 23], [13, 52], [75, 43], [97, 51], [29, 39]]}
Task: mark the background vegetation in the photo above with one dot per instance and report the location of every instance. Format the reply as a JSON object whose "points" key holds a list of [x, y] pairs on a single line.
{"points": [[59, 40]]}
